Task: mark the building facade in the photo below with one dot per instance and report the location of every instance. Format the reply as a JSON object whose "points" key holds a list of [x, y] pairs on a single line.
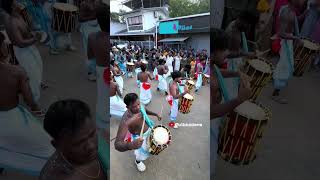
{"points": [[187, 31]]}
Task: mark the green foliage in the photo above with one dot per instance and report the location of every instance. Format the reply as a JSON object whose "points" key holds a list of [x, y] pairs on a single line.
{"points": [[179, 8]]}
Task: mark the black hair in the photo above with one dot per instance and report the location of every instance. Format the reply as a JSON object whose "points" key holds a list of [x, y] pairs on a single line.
{"points": [[219, 40], [6, 5], [65, 116], [130, 98], [175, 74], [249, 17], [103, 16], [143, 67]]}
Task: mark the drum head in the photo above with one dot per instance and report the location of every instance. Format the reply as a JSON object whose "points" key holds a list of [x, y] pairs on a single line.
{"points": [[161, 135], [207, 76], [188, 96], [191, 82], [65, 7], [310, 45], [130, 64], [260, 65], [251, 111]]}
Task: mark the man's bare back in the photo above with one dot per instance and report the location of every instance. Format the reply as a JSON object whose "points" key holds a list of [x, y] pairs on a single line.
{"points": [[144, 76], [162, 69], [114, 89]]}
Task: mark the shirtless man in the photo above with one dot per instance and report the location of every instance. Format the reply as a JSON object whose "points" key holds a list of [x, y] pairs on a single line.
{"points": [[17, 124], [88, 24], [162, 72], [75, 138], [174, 96], [98, 49], [23, 41], [288, 34], [220, 104], [200, 70], [145, 86], [117, 106], [132, 121]]}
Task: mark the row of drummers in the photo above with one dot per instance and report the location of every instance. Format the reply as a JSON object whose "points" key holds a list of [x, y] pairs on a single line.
{"points": [[242, 130]]}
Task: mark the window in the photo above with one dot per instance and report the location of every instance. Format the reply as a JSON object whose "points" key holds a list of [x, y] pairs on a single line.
{"points": [[134, 21]]}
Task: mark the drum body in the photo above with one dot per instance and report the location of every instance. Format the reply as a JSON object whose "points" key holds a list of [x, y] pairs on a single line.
{"points": [[130, 66], [159, 139], [205, 79], [185, 103], [190, 85], [65, 17], [303, 56], [241, 133], [260, 73]]}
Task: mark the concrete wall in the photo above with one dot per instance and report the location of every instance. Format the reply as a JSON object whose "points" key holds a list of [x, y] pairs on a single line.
{"points": [[199, 41], [116, 27]]}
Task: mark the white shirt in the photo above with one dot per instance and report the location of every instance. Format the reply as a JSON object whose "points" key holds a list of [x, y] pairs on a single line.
{"points": [[177, 63]]}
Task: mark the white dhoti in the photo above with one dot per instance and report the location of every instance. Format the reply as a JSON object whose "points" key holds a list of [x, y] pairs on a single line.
{"points": [[24, 144], [29, 58], [163, 85], [102, 99], [284, 68], [145, 93], [143, 152], [119, 81], [199, 82], [117, 106], [170, 70], [214, 141], [155, 73], [174, 107]]}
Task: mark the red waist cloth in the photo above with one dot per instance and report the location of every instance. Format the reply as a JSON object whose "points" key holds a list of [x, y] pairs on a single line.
{"points": [[146, 86]]}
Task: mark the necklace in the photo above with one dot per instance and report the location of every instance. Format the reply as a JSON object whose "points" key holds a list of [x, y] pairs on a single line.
{"points": [[81, 171]]}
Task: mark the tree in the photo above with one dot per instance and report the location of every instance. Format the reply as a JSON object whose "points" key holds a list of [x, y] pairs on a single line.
{"points": [[117, 16], [179, 8]]}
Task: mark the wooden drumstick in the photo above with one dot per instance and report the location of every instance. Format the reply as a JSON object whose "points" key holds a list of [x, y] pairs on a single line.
{"points": [[142, 128]]}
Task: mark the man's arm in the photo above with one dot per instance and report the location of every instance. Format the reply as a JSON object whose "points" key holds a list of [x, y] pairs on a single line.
{"points": [[120, 143], [150, 77], [18, 40], [151, 113], [118, 91], [174, 94]]}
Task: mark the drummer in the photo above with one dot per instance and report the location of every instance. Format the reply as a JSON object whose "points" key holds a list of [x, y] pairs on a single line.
{"points": [[174, 95], [162, 75], [199, 72], [221, 103], [238, 48], [88, 24], [117, 106], [145, 86], [98, 49], [132, 121], [23, 41], [289, 32]]}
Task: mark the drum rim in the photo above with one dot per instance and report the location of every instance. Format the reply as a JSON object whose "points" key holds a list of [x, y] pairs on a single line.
{"points": [[65, 4], [313, 42], [264, 109], [153, 137], [263, 60], [188, 95]]}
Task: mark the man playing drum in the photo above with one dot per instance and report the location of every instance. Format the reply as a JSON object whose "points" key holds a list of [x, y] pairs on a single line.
{"points": [[145, 86], [117, 106], [23, 41], [133, 121], [162, 71], [199, 72], [98, 49], [175, 95], [284, 68], [221, 103]]}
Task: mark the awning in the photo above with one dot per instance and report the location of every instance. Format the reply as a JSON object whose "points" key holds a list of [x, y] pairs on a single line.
{"points": [[181, 39]]}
